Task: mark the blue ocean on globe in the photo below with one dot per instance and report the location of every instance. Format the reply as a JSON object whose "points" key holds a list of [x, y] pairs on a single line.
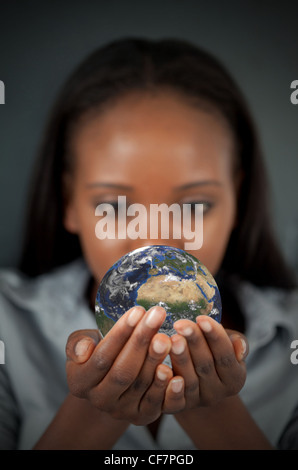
{"points": [[157, 275]]}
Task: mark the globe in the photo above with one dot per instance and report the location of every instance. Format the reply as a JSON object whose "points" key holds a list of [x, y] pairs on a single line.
{"points": [[157, 275]]}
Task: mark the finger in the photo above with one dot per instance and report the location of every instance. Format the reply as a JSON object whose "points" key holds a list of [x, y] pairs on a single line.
{"points": [[82, 376], [127, 365], [201, 358], [228, 369], [81, 344], [240, 344], [109, 348], [182, 365], [147, 386], [174, 397], [198, 347], [152, 401], [158, 350]]}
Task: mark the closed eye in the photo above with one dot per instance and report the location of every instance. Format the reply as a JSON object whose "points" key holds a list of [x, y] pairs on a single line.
{"points": [[207, 205], [114, 204]]}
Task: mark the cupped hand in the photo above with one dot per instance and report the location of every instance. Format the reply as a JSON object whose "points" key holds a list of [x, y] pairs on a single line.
{"points": [[210, 359], [122, 374]]}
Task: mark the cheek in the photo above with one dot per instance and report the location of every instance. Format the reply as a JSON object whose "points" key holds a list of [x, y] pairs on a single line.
{"points": [[100, 255], [217, 231], [212, 253]]}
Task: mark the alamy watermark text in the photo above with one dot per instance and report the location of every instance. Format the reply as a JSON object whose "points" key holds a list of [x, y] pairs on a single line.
{"points": [[161, 222], [294, 94], [2, 352], [2, 92]]}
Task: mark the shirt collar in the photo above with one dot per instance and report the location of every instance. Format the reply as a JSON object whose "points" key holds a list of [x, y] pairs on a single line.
{"points": [[63, 288], [265, 310]]}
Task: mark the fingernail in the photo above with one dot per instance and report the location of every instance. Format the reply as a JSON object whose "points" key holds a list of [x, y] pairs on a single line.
{"points": [[154, 318], [205, 326], [177, 385], [236, 337], [159, 346], [134, 316], [187, 331], [161, 375], [244, 346], [82, 347], [178, 346]]}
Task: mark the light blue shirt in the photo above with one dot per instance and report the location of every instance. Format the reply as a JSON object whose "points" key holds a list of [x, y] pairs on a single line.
{"points": [[37, 316]]}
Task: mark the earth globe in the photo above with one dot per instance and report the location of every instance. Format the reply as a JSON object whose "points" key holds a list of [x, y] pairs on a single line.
{"points": [[157, 275]]}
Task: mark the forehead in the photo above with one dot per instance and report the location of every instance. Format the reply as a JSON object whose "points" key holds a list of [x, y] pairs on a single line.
{"points": [[153, 134]]}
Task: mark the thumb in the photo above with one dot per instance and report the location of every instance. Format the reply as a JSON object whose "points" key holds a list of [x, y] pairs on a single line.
{"points": [[81, 344], [240, 344]]}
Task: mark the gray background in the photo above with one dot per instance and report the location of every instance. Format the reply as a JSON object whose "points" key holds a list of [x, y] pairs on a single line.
{"points": [[41, 42]]}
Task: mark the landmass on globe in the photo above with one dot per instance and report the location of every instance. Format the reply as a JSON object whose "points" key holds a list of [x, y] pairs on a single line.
{"points": [[180, 296], [157, 275]]}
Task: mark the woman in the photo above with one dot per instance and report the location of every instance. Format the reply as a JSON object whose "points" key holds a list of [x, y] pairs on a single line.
{"points": [[157, 121]]}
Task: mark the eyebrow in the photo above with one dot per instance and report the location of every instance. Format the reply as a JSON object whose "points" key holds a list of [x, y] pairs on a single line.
{"points": [[177, 188], [198, 183], [109, 185]]}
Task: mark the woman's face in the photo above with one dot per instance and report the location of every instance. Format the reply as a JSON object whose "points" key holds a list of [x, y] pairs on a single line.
{"points": [[153, 150]]}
